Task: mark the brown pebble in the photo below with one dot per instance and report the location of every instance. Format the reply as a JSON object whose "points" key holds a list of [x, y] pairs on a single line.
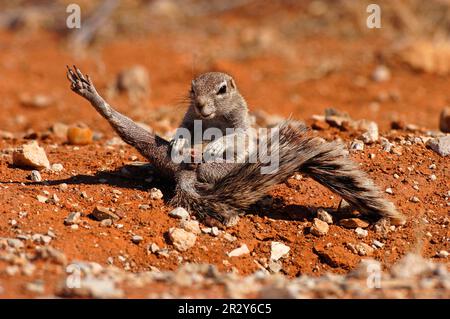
{"points": [[353, 223], [79, 135]]}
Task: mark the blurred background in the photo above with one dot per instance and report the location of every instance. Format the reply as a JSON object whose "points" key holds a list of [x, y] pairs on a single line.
{"points": [[289, 58]]}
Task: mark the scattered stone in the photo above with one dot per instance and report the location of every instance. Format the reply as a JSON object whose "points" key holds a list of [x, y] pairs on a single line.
{"points": [[60, 130], [63, 187], [275, 266], [361, 249], [41, 199], [371, 135], [440, 145], [414, 199], [319, 227], [31, 155], [397, 150], [357, 145], [12, 242], [154, 248], [35, 176], [278, 250], [444, 120], [215, 231], [73, 218], [243, 250], [323, 215], [344, 207], [155, 193], [386, 145], [57, 167], [428, 55], [4, 135], [92, 287], [181, 239], [41, 239], [106, 222], [229, 237], [378, 244], [79, 135], [381, 74], [353, 223], [192, 226], [442, 254], [134, 80], [180, 213], [361, 233], [336, 118], [136, 239], [100, 213], [433, 177], [37, 101], [389, 191]]}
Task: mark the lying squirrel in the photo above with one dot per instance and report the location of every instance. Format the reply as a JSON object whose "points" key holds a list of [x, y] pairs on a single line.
{"points": [[223, 190]]}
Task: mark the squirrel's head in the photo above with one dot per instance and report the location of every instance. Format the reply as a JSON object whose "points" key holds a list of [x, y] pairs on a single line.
{"points": [[212, 94]]}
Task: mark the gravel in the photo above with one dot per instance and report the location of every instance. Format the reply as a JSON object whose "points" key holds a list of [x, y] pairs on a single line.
{"points": [[181, 239], [180, 213], [101, 213], [319, 227], [155, 193], [136, 239], [31, 155], [440, 145], [278, 250], [72, 218], [192, 226], [35, 176], [357, 145], [323, 215], [361, 233], [242, 250], [353, 223]]}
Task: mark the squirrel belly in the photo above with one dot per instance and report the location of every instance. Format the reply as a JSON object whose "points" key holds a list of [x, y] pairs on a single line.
{"points": [[243, 184]]}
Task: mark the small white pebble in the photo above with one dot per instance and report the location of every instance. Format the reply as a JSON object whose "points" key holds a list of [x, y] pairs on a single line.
{"points": [[361, 233], [378, 244], [389, 190], [414, 199]]}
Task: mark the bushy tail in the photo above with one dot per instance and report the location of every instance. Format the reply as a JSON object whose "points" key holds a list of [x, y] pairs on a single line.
{"points": [[331, 167], [297, 151]]}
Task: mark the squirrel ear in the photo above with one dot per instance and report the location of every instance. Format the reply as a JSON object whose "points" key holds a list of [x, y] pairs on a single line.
{"points": [[232, 84]]}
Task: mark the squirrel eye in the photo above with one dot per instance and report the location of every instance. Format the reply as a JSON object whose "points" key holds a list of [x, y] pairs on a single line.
{"points": [[222, 90]]}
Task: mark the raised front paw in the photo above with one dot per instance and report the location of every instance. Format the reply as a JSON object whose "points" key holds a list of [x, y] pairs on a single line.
{"points": [[80, 83], [214, 150], [177, 145]]}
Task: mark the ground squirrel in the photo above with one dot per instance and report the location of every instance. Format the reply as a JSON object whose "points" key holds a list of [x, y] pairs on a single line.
{"points": [[215, 104], [228, 189]]}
